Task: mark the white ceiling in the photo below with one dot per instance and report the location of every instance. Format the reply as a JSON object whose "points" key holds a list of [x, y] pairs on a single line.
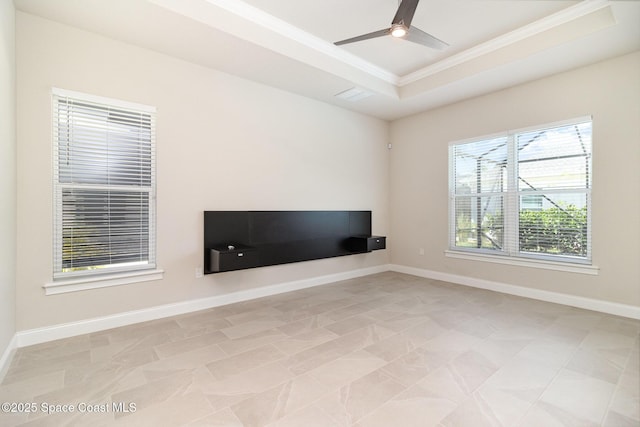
{"points": [[289, 43]]}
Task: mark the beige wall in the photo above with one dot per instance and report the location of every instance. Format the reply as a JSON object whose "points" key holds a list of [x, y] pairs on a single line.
{"points": [[227, 143], [7, 174], [610, 92], [223, 143]]}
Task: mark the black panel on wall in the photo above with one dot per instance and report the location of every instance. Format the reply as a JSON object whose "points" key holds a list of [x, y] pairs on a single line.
{"points": [[236, 240], [268, 227], [221, 227], [360, 223]]}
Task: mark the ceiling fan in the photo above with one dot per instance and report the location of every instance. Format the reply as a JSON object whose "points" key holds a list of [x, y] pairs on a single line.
{"points": [[401, 28]]}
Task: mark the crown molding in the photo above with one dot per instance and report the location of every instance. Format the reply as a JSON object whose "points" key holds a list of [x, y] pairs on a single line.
{"points": [[562, 17], [283, 28], [258, 18], [276, 25]]}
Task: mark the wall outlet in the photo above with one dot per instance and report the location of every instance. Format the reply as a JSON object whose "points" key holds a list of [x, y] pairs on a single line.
{"points": [[421, 251], [199, 273]]}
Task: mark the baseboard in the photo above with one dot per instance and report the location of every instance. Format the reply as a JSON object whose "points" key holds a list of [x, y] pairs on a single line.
{"points": [[614, 308], [7, 356], [66, 330]]}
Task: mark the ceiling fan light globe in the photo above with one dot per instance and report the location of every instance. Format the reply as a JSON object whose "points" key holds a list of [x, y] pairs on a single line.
{"points": [[398, 31]]}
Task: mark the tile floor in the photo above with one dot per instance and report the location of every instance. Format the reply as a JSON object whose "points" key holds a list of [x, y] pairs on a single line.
{"points": [[382, 350]]}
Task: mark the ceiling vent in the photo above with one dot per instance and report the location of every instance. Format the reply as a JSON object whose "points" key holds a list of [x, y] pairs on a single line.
{"points": [[354, 94]]}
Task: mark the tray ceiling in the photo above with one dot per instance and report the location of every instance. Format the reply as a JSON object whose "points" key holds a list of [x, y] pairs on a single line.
{"points": [[289, 44]]}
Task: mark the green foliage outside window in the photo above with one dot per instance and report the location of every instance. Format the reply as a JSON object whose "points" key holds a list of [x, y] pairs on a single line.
{"points": [[556, 230]]}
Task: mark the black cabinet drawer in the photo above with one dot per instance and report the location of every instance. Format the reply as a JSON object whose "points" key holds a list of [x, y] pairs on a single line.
{"points": [[367, 243], [225, 259], [376, 242]]}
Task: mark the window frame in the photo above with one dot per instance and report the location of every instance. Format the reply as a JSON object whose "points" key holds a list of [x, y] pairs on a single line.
{"points": [[511, 253], [67, 281]]}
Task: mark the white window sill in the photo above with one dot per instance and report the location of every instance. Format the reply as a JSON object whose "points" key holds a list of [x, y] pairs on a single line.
{"points": [[525, 262], [95, 282]]}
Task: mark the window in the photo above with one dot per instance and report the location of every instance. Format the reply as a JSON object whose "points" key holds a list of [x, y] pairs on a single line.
{"points": [[524, 194], [104, 185]]}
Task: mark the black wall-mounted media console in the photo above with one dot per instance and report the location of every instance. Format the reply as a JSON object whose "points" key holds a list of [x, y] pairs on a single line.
{"points": [[237, 240]]}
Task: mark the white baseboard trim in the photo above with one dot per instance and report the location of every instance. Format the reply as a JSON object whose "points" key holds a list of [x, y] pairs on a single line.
{"points": [[66, 330], [7, 356], [614, 308]]}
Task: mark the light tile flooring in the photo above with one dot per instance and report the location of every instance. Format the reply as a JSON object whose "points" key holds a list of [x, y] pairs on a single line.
{"points": [[383, 350]]}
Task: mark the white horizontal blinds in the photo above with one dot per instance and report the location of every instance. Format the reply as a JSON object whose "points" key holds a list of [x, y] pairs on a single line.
{"points": [[524, 193], [556, 158], [104, 177], [479, 181], [554, 185]]}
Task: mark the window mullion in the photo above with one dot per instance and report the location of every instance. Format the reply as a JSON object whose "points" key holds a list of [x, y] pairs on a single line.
{"points": [[511, 204], [452, 199]]}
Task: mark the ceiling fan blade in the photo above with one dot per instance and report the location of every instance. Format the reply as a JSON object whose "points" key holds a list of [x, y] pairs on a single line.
{"points": [[405, 13], [416, 35], [379, 33]]}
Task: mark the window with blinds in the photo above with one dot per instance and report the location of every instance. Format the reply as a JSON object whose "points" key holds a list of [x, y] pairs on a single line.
{"points": [[104, 185], [524, 193]]}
